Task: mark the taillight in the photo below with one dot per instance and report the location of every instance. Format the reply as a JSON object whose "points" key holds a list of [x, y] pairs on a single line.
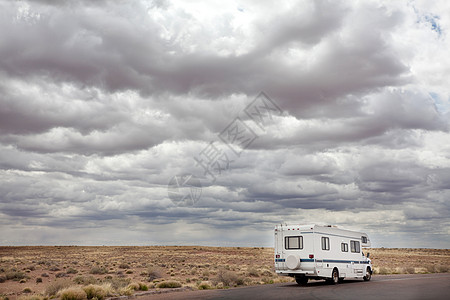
{"points": [[311, 256], [277, 256]]}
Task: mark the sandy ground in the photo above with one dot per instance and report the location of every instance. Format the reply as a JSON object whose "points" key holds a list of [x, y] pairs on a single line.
{"points": [[28, 271]]}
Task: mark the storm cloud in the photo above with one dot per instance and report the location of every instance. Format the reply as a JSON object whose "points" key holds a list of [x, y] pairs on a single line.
{"points": [[102, 103]]}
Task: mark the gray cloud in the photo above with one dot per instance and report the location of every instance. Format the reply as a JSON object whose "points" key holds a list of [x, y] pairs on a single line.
{"points": [[102, 103]]}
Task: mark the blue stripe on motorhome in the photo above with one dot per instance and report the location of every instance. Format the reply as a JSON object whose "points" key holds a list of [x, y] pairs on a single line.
{"points": [[342, 261]]}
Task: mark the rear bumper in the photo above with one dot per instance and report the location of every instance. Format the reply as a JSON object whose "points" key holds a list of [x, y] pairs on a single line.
{"points": [[292, 273]]}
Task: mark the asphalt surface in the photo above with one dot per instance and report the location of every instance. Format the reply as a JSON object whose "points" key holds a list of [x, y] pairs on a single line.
{"points": [[398, 287]]}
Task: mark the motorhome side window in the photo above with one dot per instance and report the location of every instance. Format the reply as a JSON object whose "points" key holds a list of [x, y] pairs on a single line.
{"points": [[354, 246], [293, 242], [364, 239], [344, 247], [325, 243]]}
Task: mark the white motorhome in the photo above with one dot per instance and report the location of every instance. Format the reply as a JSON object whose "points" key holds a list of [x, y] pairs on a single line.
{"points": [[321, 252]]}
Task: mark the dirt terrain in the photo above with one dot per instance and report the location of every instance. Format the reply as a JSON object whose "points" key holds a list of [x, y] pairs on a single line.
{"points": [[42, 272]]}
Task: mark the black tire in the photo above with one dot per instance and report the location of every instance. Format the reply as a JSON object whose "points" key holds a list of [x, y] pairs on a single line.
{"points": [[301, 280], [334, 277], [368, 275]]}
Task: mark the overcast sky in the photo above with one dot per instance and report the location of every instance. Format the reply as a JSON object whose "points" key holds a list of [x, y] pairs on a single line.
{"points": [[105, 106]]}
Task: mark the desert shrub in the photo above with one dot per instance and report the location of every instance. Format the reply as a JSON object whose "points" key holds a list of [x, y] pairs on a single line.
{"points": [[95, 291], [124, 266], [4, 297], [443, 269], [117, 283], [73, 293], [267, 280], [204, 286], [137, 286], [44, 275], [60, 275], [38, 280], [2, 279], [54, 269], [30, 297], [409, 270], [133, 286], [240, 281], [229, 278], [143, 287], [83, 280], [168, 284], [98, 270], [71, 271], [26, 290], [57, 286], [253, 272], [154, 273], [126, 291], [129, 272], [266, 272], [15, 276], [383, 271], [431, 268]]}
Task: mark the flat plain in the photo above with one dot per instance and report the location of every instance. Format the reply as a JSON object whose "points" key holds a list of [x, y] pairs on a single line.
{"points": [[40, 272]]}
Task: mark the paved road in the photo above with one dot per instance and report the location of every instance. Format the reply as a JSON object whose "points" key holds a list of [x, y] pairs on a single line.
{"points": [[397, 287]]}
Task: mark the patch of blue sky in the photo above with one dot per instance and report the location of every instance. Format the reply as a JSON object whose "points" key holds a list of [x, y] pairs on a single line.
{"points": [[433, 21], [442, 105]]}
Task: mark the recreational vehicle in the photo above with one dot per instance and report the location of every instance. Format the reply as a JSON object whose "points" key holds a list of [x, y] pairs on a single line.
{"points": [[321, 252]]}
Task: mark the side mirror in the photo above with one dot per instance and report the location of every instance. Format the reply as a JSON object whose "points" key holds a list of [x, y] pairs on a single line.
{"points": [[368, 254]]}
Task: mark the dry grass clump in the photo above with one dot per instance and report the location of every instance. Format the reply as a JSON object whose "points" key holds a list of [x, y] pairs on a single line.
{"points": [[124, 266], [154, 273], [168, 284], [98, 270], [443, 269], [71, 271], [132, 287], [228, 278], [85, 280], [204, 286], [143, 287], [72, 293], [57, 286], [138, 286], [31, 297], [15, 276], [252, 272], [117, 283], [98, 292]]}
